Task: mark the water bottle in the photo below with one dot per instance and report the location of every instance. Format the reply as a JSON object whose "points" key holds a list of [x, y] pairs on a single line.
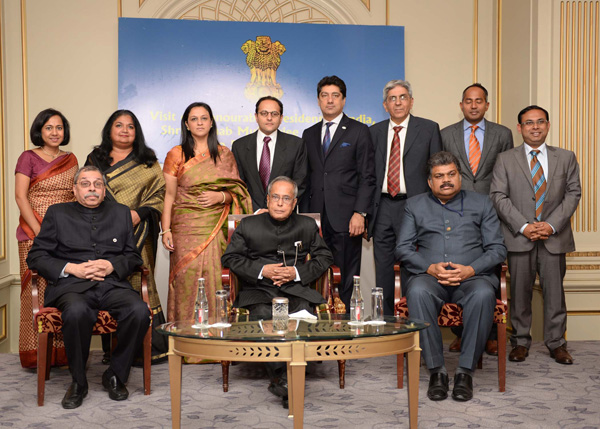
{"points": [[357, 304], [201, 307]]}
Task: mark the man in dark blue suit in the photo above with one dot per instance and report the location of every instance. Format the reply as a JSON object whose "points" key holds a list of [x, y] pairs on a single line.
{"points": [[341, 177], [86, 251], [451, 244], [406, 142]]}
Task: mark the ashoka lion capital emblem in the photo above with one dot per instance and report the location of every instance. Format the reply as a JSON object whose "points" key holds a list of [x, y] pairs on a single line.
{"points": [[262, 56]]}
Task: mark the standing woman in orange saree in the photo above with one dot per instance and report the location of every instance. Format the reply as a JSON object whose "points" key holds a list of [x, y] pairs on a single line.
{"points": [[43, 176], [202, 188]]}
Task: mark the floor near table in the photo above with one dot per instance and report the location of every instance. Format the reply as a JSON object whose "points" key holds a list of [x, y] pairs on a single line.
{"points": [[539, 394]]}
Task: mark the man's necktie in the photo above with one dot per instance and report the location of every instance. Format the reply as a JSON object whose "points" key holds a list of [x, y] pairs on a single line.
{"points": [[327, 138], [539, 183], [474, 150], [264, 169], [393, 178]]}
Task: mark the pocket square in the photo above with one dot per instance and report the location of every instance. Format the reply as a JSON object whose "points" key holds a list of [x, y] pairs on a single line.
{"points": [[345, 145]]}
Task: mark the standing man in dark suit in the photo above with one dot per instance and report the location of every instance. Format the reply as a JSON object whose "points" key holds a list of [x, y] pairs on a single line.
{"points": [[403, 144], [451, 244], [341, 177], [536, 189], [86, 251], [269, 153], [476, 142]]}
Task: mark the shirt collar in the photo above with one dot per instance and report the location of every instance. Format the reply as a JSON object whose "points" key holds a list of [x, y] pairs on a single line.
{"points": [[261, 136], [480, 124], [541, 148], [404, 123], [335, 120]]}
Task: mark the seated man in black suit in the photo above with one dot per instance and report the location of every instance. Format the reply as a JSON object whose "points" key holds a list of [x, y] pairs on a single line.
{"points": [[268, 254], [86, 251]]}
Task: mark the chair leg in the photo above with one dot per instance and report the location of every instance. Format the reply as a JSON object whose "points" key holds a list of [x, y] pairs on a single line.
{"points": [[480, 362], [43, 365], [342, 371], [225, 370], [147, 359], [400, 369], [501, 356]]}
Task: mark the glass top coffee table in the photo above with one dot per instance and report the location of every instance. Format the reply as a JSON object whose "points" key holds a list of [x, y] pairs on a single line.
{"points": [[299, 341]]}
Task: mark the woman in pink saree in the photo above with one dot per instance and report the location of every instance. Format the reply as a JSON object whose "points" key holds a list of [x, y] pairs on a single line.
{"points": [[202, 188], [43, 176]]}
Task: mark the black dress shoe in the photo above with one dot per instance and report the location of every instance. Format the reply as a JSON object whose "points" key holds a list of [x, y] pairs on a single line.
{"points": [[279, 388], [116, 390], [74, 396], [463, 387], [438, 386]]}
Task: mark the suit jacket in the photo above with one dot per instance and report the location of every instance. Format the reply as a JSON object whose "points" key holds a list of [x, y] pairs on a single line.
{"points": [[514, 199], [74, 233], [260, 240], [342, 181], [432, 233], [422, 140], [496, 139], [289, 160]]}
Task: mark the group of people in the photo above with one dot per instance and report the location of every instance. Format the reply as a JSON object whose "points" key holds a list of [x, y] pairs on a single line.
{"points": [[448, 205]]}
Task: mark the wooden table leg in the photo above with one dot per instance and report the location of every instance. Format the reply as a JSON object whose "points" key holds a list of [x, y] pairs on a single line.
{"points": [[412, 370], [290, 380], [296, 389], [175, 381]]}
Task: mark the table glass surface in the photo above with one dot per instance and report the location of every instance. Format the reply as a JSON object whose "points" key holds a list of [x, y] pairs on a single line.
{"points": [[326, 327]]}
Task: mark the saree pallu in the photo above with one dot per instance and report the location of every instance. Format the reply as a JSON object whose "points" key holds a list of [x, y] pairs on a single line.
{"points": [[137, 186], [53, 185], [200, 234]]}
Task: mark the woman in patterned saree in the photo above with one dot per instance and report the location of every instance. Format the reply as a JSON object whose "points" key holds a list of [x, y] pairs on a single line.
{"points": [[203, 188], [134, 179], [43, 176]]}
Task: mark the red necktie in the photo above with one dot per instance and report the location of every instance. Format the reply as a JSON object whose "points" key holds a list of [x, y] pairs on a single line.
{"points": [[264, 169], [394, 165], [474, 150]]}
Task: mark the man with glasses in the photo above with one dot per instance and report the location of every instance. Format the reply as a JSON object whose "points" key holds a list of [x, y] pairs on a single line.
{"points": [[268, 254], [535, 190], [268, 153], [403, 144], [86, 251]]}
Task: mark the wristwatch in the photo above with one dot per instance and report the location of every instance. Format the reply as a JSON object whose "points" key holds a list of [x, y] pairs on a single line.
{"points": [[363, 214]]}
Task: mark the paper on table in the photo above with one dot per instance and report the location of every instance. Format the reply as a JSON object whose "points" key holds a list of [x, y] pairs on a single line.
{"points": [[303, 314]]}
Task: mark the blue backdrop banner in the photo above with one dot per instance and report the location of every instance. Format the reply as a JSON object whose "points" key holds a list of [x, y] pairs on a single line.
{"points": [[164, 65]]}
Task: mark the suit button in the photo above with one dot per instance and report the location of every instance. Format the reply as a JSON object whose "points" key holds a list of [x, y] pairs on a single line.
{"points": [[97, 252], [93, 217], [94, 228], [93, 244], [325, 174]]}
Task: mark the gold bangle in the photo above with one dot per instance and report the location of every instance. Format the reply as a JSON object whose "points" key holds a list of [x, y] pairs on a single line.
{"points": [[164, 232], [223, 202]]}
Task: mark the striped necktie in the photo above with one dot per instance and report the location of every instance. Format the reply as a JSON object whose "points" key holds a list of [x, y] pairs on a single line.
{"points": [[474, 150], [539, 183], [393, 177], [327, 138]]}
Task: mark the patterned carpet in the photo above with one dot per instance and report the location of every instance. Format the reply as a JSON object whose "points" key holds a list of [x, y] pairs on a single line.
{"points": [[540, 394]]}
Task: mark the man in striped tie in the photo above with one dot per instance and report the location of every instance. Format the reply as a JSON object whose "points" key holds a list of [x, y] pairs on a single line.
{"points": [[535, 190]]}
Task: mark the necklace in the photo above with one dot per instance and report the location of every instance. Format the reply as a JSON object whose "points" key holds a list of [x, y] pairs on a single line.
{"points": [[50, 154]]}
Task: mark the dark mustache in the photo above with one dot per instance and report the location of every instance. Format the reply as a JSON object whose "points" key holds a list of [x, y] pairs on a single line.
{"points": [[447, 184]]}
